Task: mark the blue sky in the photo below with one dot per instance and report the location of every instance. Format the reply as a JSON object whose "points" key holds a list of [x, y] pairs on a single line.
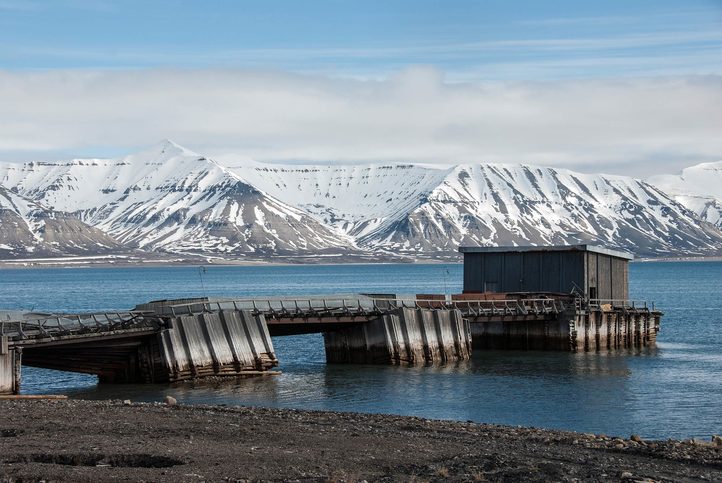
{"points": [[622, 86], [467, 39]]}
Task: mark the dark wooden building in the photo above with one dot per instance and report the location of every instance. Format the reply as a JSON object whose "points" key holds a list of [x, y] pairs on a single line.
{"points": [[596, 272]]}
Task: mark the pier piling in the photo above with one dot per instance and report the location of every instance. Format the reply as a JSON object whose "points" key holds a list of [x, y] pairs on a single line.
{"points": [[228, 342], [9, 367], [404, 336], [574, 330]]}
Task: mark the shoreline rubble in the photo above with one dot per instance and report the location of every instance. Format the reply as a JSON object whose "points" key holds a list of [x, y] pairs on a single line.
{"points": [[77, 440]]}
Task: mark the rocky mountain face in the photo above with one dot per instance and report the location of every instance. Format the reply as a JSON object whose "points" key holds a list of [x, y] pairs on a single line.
{"points": [[30, 230], [699, 188], [169, 199], [430, 211]]}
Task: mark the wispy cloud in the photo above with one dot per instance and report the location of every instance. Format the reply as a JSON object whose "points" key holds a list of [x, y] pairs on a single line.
{"points": [[666, 53], [414, 115], [677, 16]]}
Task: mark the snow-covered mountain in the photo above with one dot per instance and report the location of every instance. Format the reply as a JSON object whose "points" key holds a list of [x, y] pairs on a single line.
{"points": [[170, 199], [426, 210], [354, 200], [699, 188], [28, 229]]}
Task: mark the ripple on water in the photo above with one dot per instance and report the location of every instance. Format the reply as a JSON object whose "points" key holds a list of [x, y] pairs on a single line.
{"points": [[671, 391]]}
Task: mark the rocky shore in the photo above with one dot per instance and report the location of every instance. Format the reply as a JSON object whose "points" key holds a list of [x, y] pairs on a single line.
{"points": [[75, 440]]}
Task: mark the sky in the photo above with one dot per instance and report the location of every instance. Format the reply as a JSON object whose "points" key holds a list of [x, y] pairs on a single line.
{"points": [[627, 87]]}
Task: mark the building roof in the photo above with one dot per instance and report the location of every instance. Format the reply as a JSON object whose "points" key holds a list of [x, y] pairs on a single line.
{"points": [[550, 248]]}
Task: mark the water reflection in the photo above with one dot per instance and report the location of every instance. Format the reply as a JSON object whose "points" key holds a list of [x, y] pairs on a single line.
{"points": [[529, 388], [671, 391]]}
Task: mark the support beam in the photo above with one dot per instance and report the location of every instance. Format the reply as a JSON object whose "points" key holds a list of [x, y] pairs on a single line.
{"points": [[404, 336], [572, 330], [9, 367], [225, 343]]}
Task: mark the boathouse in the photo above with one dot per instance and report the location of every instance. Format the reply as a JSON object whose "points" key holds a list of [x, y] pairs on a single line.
{"points": [[585, 270]]}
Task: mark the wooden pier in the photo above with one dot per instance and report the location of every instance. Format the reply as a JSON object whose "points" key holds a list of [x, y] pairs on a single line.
{"points": [[168, 341]]}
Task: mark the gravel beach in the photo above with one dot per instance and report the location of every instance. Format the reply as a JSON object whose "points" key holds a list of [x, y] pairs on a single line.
{"points": [[74, 440]]}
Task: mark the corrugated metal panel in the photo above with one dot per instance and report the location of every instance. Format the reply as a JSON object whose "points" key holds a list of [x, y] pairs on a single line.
{"points": [[551, 248], [511, 277], [604, 274], [473, 272], [532, 267], [572, 273], [492, 273], [551, 272]]}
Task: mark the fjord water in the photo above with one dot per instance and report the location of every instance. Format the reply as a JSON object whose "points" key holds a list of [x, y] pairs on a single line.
{"points": [[674, 390]]}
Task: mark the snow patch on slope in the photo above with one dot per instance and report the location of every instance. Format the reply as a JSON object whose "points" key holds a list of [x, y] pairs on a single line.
{"points": [[698, 187], [168, 198], [171, 199]]}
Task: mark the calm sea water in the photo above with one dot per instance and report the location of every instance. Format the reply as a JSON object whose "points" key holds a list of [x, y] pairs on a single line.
{"points": [[674, 390]]}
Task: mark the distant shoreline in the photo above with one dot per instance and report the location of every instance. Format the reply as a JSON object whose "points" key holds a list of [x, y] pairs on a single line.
{"points": [[91, 262], [680, 259]]}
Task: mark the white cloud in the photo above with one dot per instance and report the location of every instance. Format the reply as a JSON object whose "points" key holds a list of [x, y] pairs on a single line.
{"points": [[613, 125]]}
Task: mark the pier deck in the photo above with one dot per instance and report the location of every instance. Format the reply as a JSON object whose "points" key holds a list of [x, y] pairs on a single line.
{"points": [[171, 340], [288, 316]]}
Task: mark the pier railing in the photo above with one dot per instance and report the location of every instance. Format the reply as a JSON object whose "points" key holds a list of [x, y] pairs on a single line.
{"points": [[362, 306], [623, 304], [74, 324]]}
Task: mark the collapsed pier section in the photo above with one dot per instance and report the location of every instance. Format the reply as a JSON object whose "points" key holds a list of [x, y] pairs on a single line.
{"points": [[138, 347], [226, 343]]}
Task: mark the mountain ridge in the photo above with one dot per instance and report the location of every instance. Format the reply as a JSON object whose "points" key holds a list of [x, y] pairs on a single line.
{"points": [[29, 229], [697, 187], [167, 198]]}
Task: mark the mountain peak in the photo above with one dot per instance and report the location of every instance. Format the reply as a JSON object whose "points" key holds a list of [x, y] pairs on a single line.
{"points": [[168, 146], [160, 152]]}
